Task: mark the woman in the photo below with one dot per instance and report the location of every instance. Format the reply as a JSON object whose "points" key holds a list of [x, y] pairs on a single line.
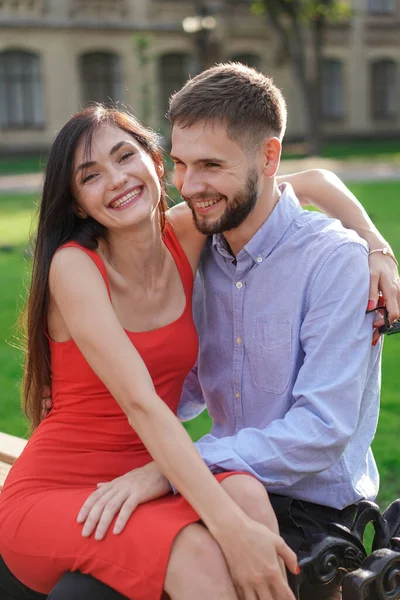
{"points": [[116, 376], [103, 191]]}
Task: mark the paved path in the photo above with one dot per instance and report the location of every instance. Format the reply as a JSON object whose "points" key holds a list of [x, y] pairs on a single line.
{"points": [[347, 170]]}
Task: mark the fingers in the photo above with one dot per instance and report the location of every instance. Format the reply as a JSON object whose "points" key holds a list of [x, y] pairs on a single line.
{"points": [[390, 288], [373, 291], [95, 513], [46, 392], [124, 515], [46, 406], [392, 306], [288, 556], [384, 277], [108, 513], [88, 505], [251, 595], [281, 591], [101, 508]]}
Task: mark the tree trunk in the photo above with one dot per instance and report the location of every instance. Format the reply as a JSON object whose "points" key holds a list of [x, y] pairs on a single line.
{"points": [[307, 74], [308, 78]]}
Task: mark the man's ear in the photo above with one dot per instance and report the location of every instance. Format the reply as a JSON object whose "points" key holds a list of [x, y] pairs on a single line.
{"points": [[272, 155]]}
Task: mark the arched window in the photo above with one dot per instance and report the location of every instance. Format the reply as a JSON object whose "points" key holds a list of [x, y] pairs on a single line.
{"points": [[173, 74], [381, 7], [251, 60], [332, 104], [100, 75], [21, 98], [384, 88]]}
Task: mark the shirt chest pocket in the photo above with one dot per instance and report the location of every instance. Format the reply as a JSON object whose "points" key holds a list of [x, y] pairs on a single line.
{"points": [[270, 355]]}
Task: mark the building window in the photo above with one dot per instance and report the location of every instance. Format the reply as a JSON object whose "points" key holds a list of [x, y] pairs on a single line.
{"points": [[384, 89], [381, 7], [332, 105], [100, 75], [251, 60], [98, 9], [21, 100], [173, 74], [22, 8]]}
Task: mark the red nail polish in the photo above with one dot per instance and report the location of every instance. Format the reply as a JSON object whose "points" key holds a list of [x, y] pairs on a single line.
{"points": [[298, 570], [375, 343], [371, 305]]}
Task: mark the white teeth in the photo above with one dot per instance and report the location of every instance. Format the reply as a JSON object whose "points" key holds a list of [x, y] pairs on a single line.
{"points": [[125, 199], [207, 203]]}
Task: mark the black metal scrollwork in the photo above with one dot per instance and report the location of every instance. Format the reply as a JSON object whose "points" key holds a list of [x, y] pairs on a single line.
{"points": [[377, 579], [342, 554], [379, 576], [330, 555]]}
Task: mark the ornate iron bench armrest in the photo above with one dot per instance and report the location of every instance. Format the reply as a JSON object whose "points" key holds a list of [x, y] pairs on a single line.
{"points": [[378, 578], [326, 558], [342, 555]]}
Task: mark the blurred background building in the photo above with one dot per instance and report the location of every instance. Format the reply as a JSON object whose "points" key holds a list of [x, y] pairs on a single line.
{"points": [[58, 55]]}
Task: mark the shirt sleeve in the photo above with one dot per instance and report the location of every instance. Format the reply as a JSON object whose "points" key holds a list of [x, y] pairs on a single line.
{"points": [[336, 337], [192, 402]]}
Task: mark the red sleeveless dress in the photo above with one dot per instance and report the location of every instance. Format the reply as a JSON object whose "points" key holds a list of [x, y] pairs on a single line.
{"points": [[86, 439]]}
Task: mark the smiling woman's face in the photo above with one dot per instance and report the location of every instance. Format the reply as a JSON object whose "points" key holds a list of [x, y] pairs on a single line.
{"points": [[116, 183]]}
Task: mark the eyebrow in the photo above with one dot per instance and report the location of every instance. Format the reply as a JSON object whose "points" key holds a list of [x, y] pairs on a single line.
{"points": [[91, 163], [202, 160]]}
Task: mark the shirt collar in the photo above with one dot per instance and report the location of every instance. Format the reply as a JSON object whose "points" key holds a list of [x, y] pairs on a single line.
{"points": [[271, 231]]}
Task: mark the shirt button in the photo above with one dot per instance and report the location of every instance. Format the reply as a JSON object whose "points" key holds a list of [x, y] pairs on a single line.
{"points": [[237, 395], [239, 285], [238, 340], [259, 259]]}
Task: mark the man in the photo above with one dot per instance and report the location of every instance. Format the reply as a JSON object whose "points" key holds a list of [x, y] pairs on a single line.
{"points": [[290, 380]]}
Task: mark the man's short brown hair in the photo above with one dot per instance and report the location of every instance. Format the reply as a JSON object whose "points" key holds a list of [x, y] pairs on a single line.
{"points": [[247, 101]]}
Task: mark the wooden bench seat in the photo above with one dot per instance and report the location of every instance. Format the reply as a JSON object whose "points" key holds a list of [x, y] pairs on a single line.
{"points": [[10, 448]]}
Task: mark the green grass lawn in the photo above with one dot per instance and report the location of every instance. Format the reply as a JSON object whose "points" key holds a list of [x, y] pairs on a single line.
{"points": [[350, 149], [22, 164], [382, 200]]}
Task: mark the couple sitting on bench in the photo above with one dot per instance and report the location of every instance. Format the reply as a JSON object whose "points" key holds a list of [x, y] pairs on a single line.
{"points": [[110, 495]]}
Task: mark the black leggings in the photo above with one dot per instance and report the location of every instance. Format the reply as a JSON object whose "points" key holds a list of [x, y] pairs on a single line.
{"points": [[72, 586]]}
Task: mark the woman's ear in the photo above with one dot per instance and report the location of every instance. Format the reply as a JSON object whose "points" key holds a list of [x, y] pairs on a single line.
{"points": [[80, 213]]}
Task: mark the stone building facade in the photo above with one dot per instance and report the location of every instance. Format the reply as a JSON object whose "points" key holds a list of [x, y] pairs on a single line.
{"points": [[58, 55]]}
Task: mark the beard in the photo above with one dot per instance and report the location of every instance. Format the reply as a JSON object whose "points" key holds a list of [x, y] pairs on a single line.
{"points": [[236, 212]]}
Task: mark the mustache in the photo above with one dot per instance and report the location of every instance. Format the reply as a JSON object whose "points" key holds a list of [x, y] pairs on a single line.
{"points": [[201, 198]]}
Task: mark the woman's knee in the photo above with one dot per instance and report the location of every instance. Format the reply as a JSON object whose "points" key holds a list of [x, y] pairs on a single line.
{"points": [[196, 557], [252, 497]]}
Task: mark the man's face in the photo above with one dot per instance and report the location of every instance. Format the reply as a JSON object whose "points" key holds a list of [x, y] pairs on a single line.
{"points": [[216, 178]]}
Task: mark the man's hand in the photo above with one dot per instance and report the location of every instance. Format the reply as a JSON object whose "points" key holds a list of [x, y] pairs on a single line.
{"points": [[46, 401], [121, 497]]}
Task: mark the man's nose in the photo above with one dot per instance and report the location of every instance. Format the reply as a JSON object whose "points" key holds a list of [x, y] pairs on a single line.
{"points": [[192, 184]]}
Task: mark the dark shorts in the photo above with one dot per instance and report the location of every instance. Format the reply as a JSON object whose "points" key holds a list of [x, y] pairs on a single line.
{"points": [[302, 522], [299, 520]]}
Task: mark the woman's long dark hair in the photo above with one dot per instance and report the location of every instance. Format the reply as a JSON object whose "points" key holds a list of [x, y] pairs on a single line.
{"points": [[59, 224]]}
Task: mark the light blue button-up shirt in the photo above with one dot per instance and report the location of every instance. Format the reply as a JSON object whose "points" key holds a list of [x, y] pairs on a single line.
{"points": [[285, 366]]}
